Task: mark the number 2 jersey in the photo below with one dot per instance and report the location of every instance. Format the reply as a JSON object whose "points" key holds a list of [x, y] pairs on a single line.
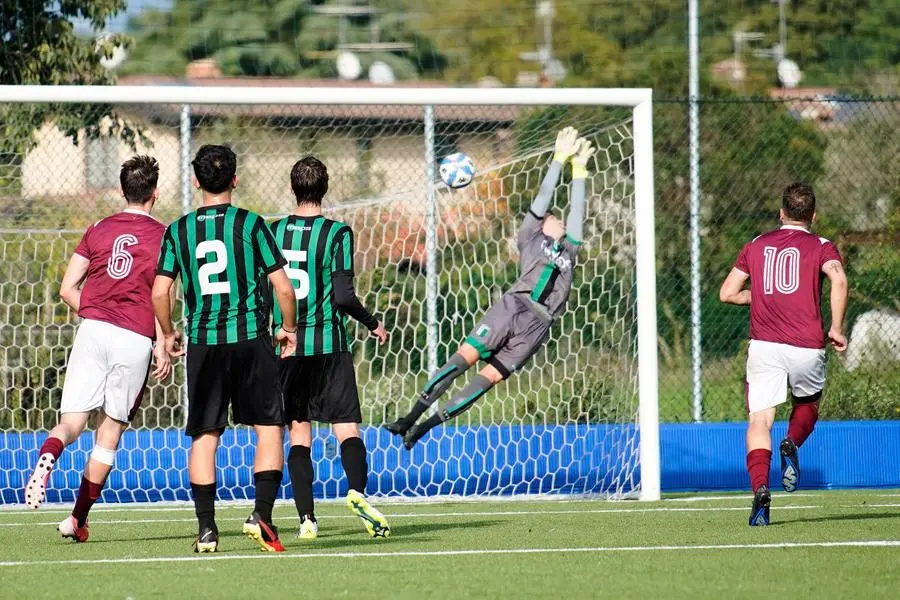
{"points": [[316, 248], [122, 250], [785, 269], [224, 255]]}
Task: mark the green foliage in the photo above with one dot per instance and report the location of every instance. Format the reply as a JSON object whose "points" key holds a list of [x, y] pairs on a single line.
{"points": [[40, 47], [270, 38]]}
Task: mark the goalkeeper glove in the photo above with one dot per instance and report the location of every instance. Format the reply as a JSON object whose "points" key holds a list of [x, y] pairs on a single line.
{"points": [[583, 152], [566, 144]]}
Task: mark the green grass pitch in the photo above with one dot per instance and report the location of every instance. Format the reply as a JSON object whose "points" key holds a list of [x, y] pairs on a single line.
{"points": [[829, 544]]}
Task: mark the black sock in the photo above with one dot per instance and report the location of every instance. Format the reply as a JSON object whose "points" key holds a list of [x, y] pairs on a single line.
{"points": [[205, 504], [267, 484], [353, 459], [417, 410], [300, 468], [426, 426]]}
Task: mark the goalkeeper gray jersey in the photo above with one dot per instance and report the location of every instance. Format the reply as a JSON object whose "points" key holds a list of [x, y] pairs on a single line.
{"points": [[547, 267]]}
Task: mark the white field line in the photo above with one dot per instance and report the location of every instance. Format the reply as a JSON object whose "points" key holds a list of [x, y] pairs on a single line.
{"points": [[496, 513], [741, 497], [594, 549]]}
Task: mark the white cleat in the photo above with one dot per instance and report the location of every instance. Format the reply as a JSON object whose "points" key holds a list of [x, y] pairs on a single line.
{"points": [[36, 488], [309, 529], [68, 528]]}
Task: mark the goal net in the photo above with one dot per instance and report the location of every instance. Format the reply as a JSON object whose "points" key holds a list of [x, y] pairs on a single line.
{"points": [[580, 418]]}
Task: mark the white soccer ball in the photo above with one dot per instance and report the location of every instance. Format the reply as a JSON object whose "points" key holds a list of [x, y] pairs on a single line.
{"points": [[457, 170]]}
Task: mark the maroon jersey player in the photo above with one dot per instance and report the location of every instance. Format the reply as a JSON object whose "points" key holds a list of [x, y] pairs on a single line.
{"points": [[786, 268], [111, 355]]}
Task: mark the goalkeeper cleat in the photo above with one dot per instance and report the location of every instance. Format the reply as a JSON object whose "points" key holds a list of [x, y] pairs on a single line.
{"points": [[397, 427], [207, 541], [309, 528], [413, 435], [264, 534], [36, 488], [759, 514], [69, 528], [790, 466], [375, 523]]}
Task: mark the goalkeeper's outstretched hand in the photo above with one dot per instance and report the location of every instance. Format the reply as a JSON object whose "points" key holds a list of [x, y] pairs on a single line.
{"points": [[583, 152], [566, 144]]}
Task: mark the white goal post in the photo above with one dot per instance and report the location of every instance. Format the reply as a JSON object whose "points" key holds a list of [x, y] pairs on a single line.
{"points": [[640, 185]]}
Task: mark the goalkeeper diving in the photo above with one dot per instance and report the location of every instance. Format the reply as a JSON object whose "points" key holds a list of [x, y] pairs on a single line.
{"points": [[519, 323]]}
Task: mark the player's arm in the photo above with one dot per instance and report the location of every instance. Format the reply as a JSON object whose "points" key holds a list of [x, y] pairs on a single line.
{"points": [[286, 336], [161, 359], [840, 291], [70, 288], [575, 219], [162, 308], [565, 147], [732, 290], [345, 297]]}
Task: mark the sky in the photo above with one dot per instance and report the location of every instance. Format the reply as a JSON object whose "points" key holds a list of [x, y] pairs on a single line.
{"points": [[119, 23]]}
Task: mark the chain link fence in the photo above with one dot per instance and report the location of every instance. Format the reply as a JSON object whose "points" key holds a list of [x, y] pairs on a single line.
{"points": [[750, 149]]}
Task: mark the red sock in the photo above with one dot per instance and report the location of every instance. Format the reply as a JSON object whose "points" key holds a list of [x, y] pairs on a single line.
{"points": [[759, 462], [803, 421], [52, 445], [88, 493]]}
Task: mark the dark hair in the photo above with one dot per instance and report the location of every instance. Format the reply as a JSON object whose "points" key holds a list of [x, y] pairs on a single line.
{"points": [[798, 202], [214, 168], [309, 180], [138, 178]]}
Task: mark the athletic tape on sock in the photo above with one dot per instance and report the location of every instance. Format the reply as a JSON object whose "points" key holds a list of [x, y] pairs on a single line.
{"points": [[103, 455]]}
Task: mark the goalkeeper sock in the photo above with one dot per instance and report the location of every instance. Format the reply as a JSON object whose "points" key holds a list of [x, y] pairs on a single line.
{"points": [[300, 468], [205, 504], [353, 459], [803, 421], [436, 386], [759, 462], [464, 400], [267, 484]]}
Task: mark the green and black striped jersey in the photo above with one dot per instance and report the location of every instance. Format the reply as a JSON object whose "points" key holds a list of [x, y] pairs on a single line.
{"points": [[316, 248], [223, 254]]}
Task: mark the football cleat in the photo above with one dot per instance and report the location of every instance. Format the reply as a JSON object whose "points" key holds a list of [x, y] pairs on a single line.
{"points": [[207, 541], [68, 528], [36, 488], [397, 427], [309, 528], [264, 534], [790, 466], [759, 514], [412, 436], [375, 523]]}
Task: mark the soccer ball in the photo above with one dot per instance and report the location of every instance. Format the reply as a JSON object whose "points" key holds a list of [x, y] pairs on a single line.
{"points": [[457, 170]]}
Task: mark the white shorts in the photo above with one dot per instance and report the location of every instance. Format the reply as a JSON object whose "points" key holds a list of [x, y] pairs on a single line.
{"points": [[771, 367], [108, 369]]}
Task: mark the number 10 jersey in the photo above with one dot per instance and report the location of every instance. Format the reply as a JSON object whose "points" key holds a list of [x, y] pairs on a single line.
{"points": [[223, 254], [316, 248], [785, 269]]}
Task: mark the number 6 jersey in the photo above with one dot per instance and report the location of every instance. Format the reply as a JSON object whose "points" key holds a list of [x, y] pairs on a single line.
{"points": [[122, 251], [785, 269], [223, 254]]}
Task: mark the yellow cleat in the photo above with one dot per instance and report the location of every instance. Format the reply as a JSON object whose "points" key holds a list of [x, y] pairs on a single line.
{"points": [[375, 523], [309, 529]]}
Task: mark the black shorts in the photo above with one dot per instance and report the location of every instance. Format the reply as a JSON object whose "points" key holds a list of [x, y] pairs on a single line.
{"points": [[243, 375], [320, 388]]}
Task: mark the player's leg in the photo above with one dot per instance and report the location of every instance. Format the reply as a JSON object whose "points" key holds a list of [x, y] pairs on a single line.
{"points": [[99, 465], [295, 373], [82, 393], [258, 400], [206, 420], [440, 382], [766, 388], [356, 467], [806, 377], [458, 404]]}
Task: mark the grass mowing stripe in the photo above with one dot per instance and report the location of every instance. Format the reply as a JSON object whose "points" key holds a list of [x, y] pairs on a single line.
{"points": [[507, 513], [598, 549]]}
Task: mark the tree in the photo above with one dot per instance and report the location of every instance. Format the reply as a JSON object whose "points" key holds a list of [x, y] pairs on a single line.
{"points": [[272, 38], [40, 47]]}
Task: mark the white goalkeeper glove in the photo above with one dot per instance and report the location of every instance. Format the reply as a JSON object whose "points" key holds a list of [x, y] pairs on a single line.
{"points": [[583, 152], [566, 144]]}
